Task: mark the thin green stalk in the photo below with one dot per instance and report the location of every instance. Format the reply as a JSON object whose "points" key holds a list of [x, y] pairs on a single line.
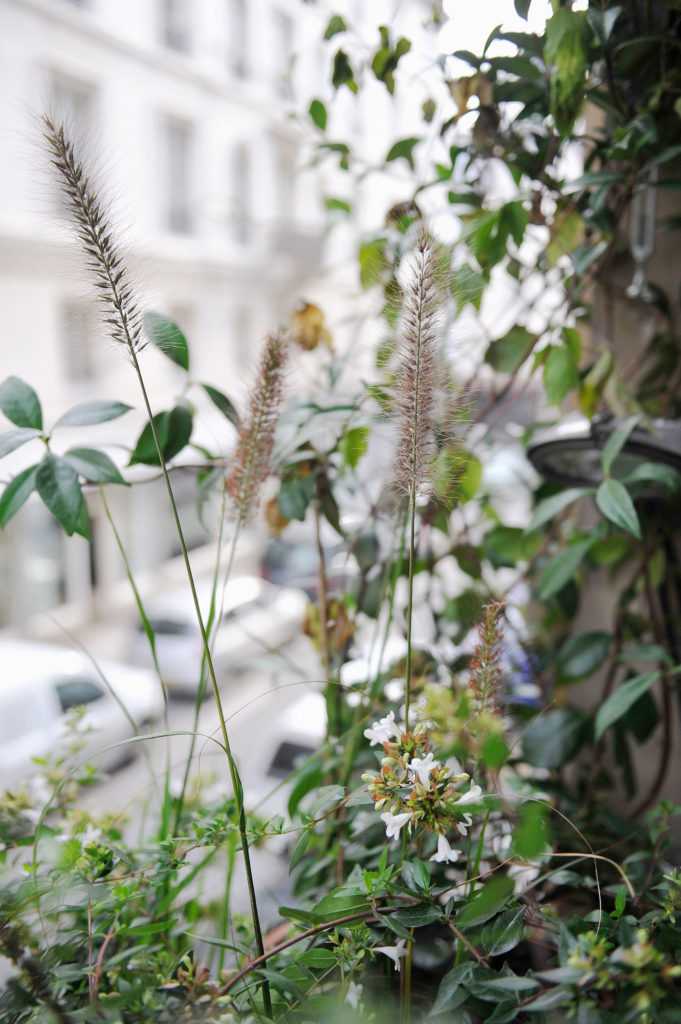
{"points": [[213, 622], [410, 603], [234, 774], [226, 903], [151, 639]]}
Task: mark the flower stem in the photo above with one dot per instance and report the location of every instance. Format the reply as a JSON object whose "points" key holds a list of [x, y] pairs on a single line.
{"points": [[233, 770], [410, 604]]}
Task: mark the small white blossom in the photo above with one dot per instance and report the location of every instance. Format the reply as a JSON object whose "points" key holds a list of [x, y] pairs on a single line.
{"points": [[383, 730], [472, 796], [394, 823], [445, 854], [394, 952], [421, 767], [464, 824], [353, 996]]}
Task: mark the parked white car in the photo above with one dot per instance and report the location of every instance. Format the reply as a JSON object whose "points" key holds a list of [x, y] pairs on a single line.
{"points": [[42, 683], [257, 617]]}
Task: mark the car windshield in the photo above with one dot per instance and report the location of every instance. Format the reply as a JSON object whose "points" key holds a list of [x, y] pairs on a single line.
{"points": [[76, 690]]}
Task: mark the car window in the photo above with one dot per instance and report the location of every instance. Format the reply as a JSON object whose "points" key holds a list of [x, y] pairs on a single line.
{"points": [[168, 627], [286, 757], [74, 691]]}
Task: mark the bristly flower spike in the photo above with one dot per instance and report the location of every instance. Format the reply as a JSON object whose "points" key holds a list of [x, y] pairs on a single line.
{"points": [[484, 667], [253, 458], [104, 258], [415, 393]]}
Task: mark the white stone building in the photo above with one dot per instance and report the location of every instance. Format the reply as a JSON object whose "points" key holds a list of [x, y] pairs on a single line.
{"points": [[184, 108]]}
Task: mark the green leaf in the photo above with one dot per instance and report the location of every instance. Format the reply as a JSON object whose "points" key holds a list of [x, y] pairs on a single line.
{"points": [[553, 737], [622, 699], [94, 465], [20, 403], [372, 262], [10, 440], [563, 567], [487, 902], [89, 413], [548, 1000], [335, 25], [467, 287], [334, 203], [451, 992], [340, 903], [583, 654], [507, 354], [58, 486], [167, 336], [342, 73], [616, 505], [308, 779], [295, 495], [494, 751], [505, 546], [654, 472], [531, 834], [17, 491], [223, 403], [416, 874], [174, 430], [318, 959], [509, 983], [566, 56], [501, 935], [522, 7], [550, 507], [353, 445], [318, 115], [403, 149], [616, 443], [469, 480], [417, 917], [560, 374]]}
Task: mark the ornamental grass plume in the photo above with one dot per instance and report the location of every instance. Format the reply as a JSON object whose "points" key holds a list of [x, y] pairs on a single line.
{"points": [[485, 671], [253, 459], [415, 392], [104, 259]]}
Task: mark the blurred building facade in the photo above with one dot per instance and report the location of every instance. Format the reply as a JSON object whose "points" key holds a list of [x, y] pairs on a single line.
{"points": [[183, 107]]}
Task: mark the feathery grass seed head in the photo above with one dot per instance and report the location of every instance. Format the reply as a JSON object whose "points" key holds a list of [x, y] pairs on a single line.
{"points": [[96, 236], [252, 461], [415, 391]]}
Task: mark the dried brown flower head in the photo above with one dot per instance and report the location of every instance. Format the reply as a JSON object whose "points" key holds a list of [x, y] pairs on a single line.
{"points": [[252, 461], [94, 230]]}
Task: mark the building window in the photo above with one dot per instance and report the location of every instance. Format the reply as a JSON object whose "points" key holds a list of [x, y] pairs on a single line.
{"points": [[283, 49], [77, 341], [237, 38], [284, 183], [177, 162], [175, 25], [72, 101], [239, 214]]}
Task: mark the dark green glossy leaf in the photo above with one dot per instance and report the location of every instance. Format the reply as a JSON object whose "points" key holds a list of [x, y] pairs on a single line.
{"points": [[487, 902], [173, 429], [553, 737], [20, 403], [403, 149], [563, 567], [223, 403], [616, 443], [58, 486], [619, 702], [615, 503], [507, 354], [167, 336], [581, 655], [550, 507], [89, 413], [94, 465], [342, 73], [16, 493], [452, 992]]}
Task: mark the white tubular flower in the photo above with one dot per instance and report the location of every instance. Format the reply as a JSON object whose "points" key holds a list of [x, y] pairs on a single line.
{"points": [[444, 853], [353, 996], [394, 823], [394, 952], [472, 796], [90, 835], [464, 824], [383, 730], [421, 767]]}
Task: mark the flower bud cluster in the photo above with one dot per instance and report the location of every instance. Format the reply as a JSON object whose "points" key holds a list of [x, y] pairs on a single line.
{"points": [[415, 790]]}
